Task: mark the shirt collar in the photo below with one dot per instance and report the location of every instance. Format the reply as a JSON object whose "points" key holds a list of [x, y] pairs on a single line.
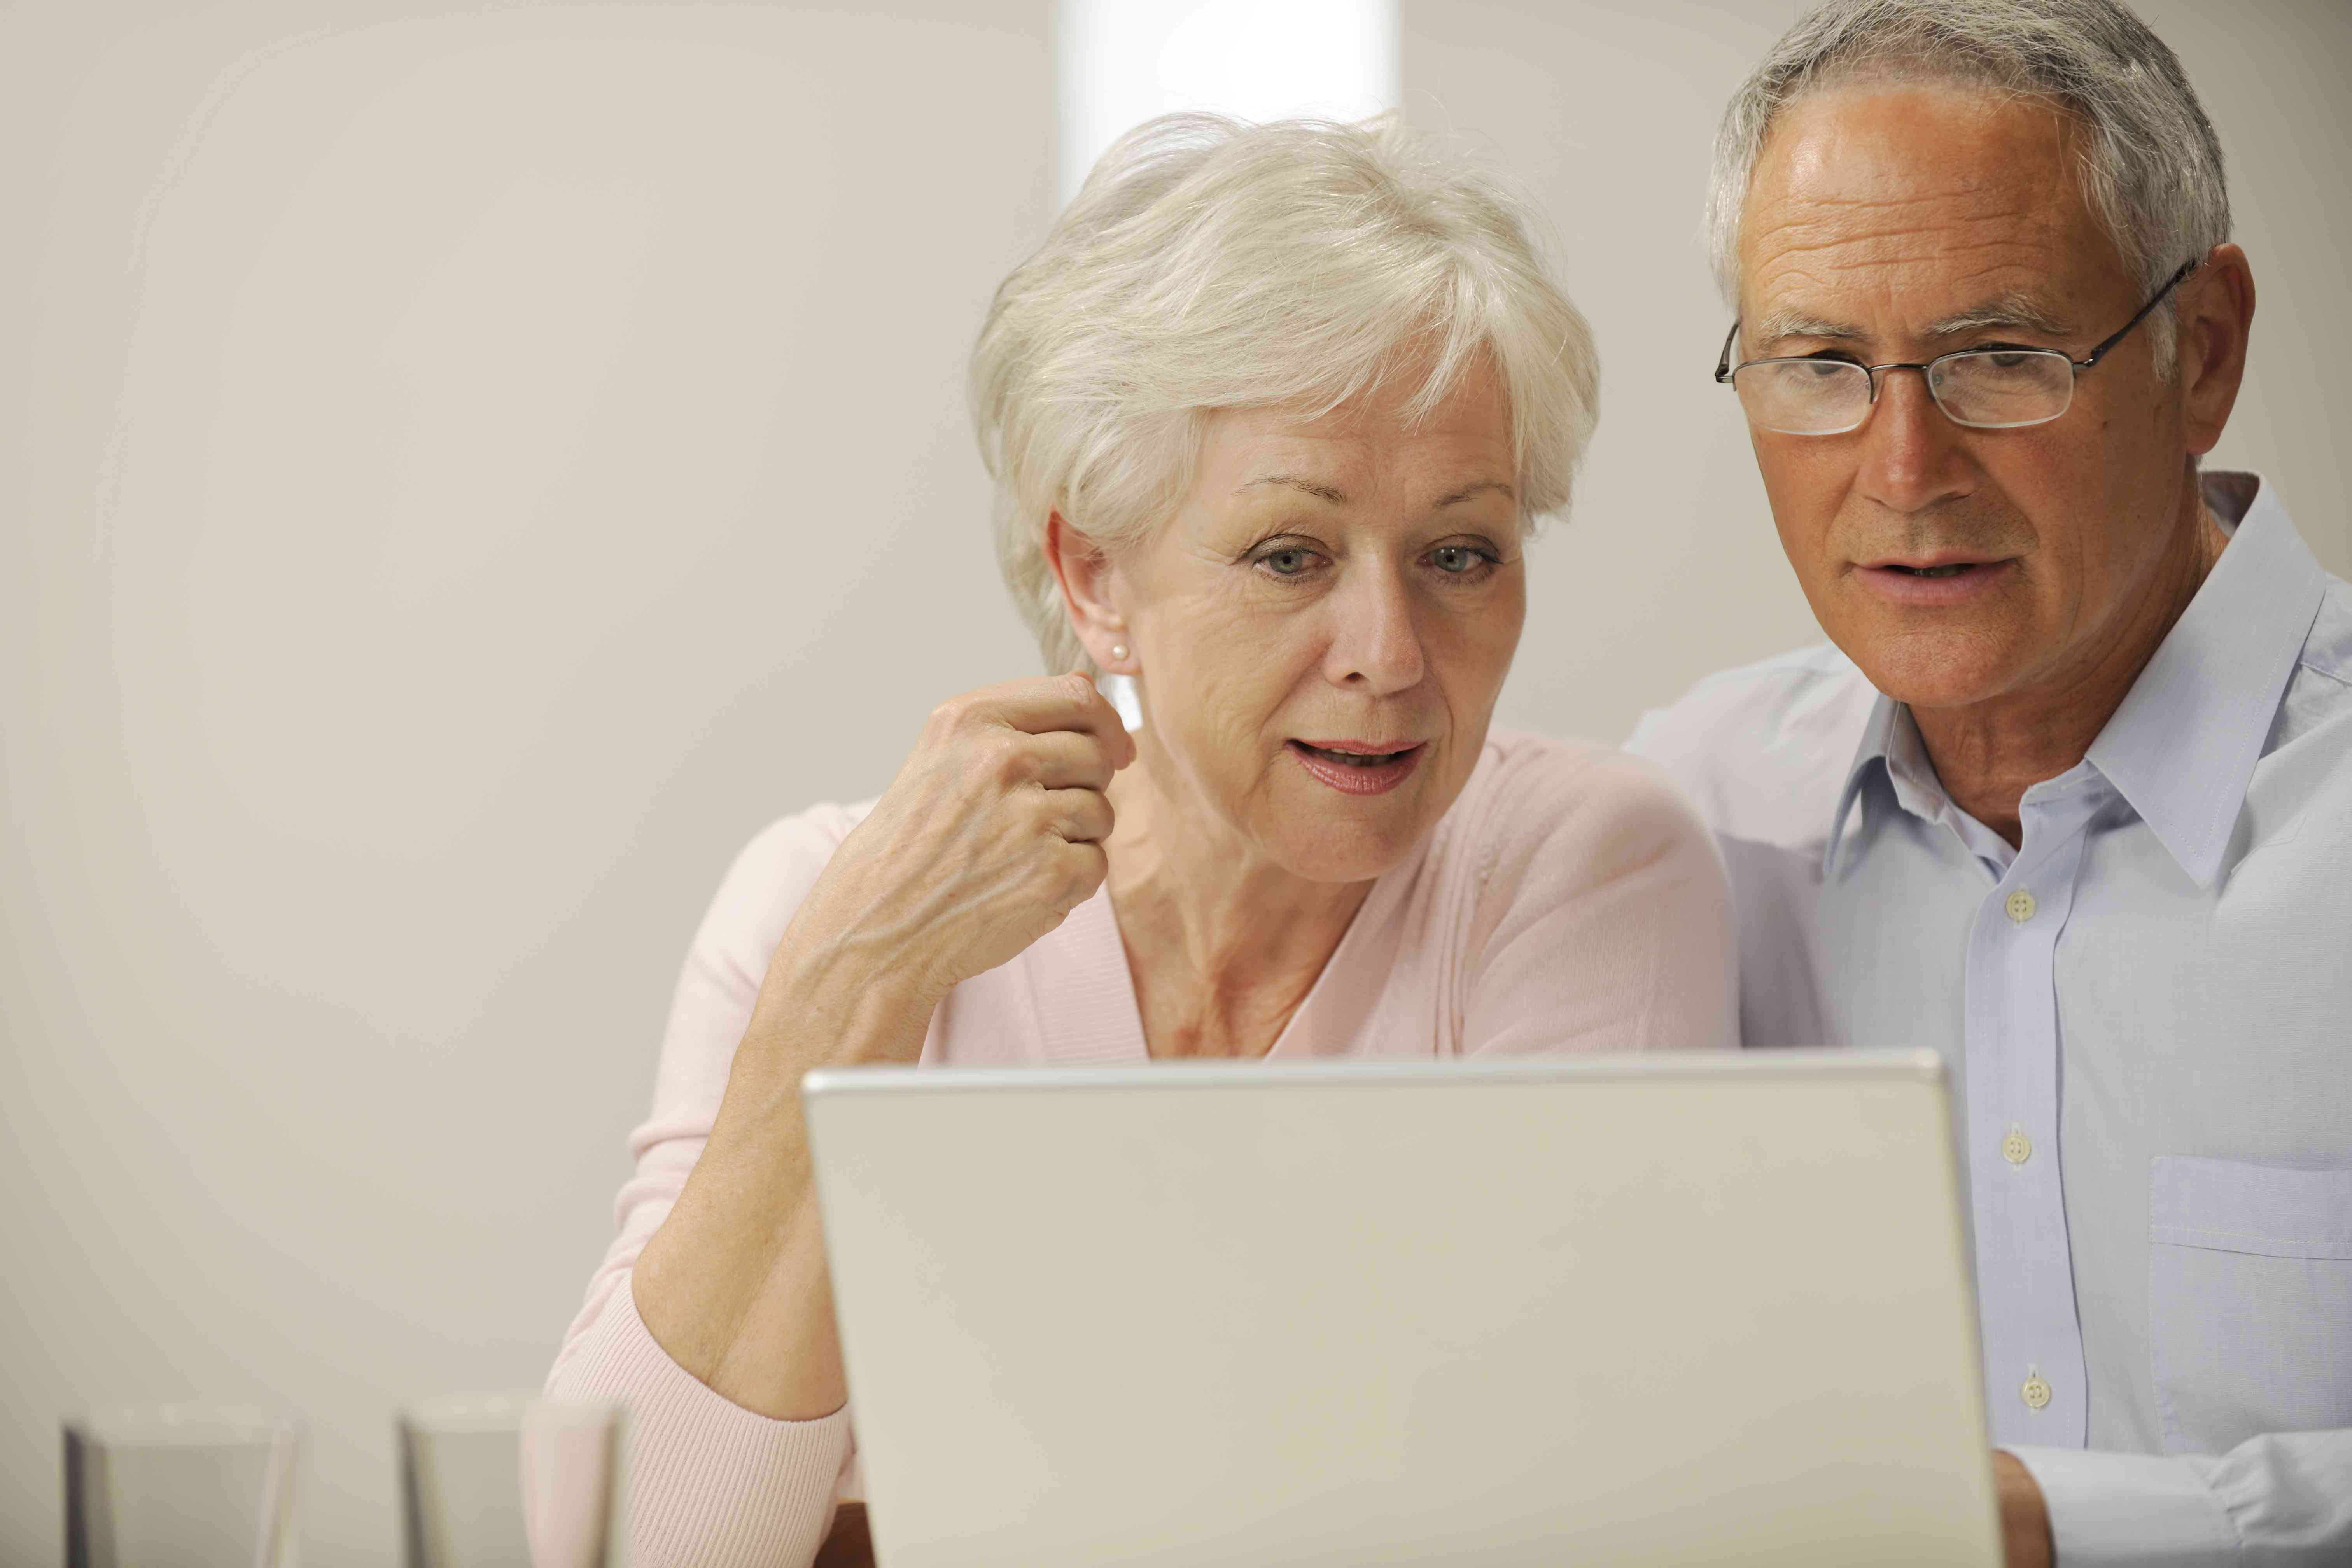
{"points": [[2217, 677], [2182, 748], [1870, 757]]}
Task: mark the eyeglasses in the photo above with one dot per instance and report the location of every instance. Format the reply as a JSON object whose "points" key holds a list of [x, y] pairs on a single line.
{"points": [[1984, 389]]}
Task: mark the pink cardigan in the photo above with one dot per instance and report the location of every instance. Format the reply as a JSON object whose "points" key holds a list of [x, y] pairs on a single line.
{"points": [[1568, 902]]}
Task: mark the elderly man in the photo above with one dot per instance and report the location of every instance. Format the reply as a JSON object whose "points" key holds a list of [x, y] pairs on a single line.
{"points": [[2071, 799]]}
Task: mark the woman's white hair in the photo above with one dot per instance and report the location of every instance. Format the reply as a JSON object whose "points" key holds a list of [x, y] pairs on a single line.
{"points": [[2151, 166], [1209, 264]]}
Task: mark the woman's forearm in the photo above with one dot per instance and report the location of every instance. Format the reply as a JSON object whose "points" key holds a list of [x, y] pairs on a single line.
{"points": [[734, 1285], [990, 834]]}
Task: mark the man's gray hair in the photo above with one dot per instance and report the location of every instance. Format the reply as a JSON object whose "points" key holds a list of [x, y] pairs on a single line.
{"points": [[1209, 264], [2151, 166]]}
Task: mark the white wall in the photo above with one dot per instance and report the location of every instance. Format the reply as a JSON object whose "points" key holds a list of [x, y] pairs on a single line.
{"points": [[478, 465], [2272, 77], [1669, 567]]}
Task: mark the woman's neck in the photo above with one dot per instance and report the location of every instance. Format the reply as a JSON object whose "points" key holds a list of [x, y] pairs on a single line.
{"points": [[1223, 943]]}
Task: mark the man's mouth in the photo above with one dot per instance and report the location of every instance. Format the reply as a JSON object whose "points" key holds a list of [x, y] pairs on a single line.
{"points": [[1954, 570], [1933, 585]]}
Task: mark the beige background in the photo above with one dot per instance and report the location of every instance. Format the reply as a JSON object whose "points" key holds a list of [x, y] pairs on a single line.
{"points": [[478, 465]]}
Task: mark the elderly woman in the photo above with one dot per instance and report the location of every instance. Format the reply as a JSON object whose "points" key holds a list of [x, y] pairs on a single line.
{"points": [[1270, 415]]}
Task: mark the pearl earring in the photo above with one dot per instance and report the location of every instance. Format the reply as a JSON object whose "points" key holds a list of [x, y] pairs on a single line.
{"points": [[1119, 653]]}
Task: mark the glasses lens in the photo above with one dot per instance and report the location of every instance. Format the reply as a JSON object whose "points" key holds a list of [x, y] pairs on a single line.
{"points": [[1803, 396], [1996, 389]]}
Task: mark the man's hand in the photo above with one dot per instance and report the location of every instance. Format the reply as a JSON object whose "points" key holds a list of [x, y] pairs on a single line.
{"points": [[2024, 1518]]}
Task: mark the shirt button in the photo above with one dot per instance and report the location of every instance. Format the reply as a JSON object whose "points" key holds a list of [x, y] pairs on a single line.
{"points": [[2021, 906], [2017, 1148], [2036, 1392]]}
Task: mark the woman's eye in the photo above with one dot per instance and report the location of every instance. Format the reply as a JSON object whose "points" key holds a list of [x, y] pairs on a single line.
{"points": [[1457, 560], [1287, 562]]}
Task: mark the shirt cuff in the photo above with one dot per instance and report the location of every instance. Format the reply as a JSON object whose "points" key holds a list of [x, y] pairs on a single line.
{"points": [[2130, 1510], [709, 1483]]}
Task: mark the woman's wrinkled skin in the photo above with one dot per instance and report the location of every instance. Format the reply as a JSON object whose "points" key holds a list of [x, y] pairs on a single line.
{"points": [[1352, 583], [1355, 580]]}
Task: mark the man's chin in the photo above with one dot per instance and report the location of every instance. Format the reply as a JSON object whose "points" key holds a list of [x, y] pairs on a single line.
{"points": [[1945, 668]]}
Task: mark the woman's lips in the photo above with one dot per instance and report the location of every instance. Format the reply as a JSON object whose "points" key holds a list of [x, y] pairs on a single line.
{"points": [[1354, 769], [1932, 587]]}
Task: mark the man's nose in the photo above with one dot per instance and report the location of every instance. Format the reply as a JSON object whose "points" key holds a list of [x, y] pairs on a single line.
{"points": [[1375, 646], [1912, 456]]}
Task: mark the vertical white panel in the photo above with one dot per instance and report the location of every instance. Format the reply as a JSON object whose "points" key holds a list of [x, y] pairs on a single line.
{"points": [[1119, 62]]}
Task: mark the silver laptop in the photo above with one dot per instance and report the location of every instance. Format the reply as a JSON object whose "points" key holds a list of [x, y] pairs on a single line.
{"points": [[1688, 1310]]}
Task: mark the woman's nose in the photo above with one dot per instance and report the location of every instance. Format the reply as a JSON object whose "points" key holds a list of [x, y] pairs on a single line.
{"points": [[1375, 646]]}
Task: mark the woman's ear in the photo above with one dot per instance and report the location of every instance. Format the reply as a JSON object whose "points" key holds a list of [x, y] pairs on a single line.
{"points": [[1091, 597]]}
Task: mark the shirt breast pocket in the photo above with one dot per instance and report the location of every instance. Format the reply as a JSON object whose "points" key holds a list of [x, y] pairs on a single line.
{"points": [[2250, 1301]]}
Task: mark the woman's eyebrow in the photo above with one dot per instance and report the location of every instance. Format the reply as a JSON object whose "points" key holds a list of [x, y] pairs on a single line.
{"points": [[1469, 493], [1320, 491]]}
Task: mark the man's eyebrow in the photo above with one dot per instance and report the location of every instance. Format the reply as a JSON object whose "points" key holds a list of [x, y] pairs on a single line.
{"points": [[1782, 324], [2008, 311], [1469, 492], [1319, 491], [2005, 311]]}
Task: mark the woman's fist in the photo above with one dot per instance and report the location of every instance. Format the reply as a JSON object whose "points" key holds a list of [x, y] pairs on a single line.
{"points": [[992, 833]]}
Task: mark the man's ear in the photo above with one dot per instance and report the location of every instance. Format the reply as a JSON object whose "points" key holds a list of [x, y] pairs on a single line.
{"points": [[2215, 322], [1091, 597]]}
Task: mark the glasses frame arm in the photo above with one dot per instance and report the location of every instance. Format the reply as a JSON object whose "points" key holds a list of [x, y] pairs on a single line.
{"points": [[1723, 360], [2120, 334]]}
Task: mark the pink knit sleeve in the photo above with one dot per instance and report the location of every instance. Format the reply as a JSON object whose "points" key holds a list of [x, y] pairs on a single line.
{"points": [[1602, 918], [710, 1483]]}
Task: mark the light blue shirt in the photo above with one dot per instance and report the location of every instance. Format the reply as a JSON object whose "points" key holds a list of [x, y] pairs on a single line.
{"points": [[2147, 1012]]}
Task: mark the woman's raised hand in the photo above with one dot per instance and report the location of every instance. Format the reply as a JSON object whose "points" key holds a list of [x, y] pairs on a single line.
{"points": [[992, 833], [989, 836]]}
